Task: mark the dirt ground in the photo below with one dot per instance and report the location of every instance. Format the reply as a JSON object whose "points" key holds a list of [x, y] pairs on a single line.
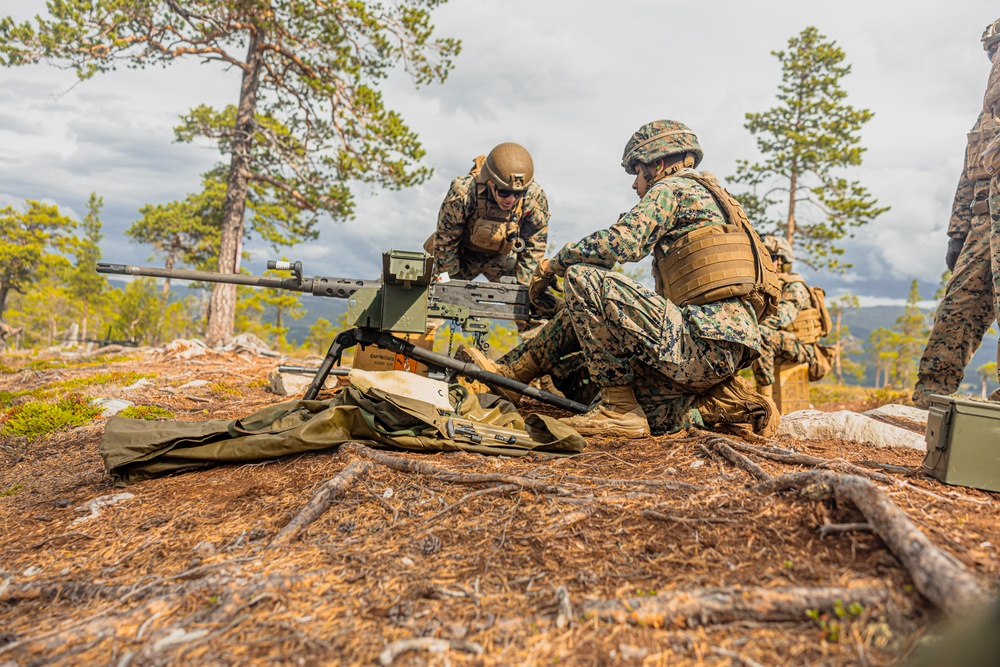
{"points": [[495, 573]]}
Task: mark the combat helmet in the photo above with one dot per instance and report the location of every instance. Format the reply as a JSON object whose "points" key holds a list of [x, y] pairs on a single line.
{"points": [[509, 167], [659, 139], [779, 247], [991, 36]]}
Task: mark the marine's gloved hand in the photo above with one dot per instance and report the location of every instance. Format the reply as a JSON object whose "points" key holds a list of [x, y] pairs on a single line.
{"points": [[543, 302], [955, 244]]}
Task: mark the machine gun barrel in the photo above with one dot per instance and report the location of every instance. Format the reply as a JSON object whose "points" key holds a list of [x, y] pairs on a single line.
{"points": [[335, 288]]}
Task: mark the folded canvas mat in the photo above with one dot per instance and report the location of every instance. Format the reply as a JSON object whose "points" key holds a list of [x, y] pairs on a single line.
{"points": [[136, 449]]}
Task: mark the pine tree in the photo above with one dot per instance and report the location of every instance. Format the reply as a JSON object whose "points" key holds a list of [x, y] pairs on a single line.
{"points": [[813, 133], [312, 67], [912, 333]]}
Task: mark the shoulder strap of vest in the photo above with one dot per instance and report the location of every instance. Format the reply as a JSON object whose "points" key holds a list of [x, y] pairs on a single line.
{"points": [[768, 285], [477, 165]]}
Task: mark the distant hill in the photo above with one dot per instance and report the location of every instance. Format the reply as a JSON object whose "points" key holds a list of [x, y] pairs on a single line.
{"points": [[862, 321]]}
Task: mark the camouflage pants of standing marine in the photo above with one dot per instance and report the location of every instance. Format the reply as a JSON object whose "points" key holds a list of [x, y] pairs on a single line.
{"points": [[629, 335], [963, 316], [777, 347], [994, 198]]}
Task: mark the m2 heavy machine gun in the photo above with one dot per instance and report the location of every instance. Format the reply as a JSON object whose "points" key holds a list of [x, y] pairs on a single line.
{"points": [[400, 303]]}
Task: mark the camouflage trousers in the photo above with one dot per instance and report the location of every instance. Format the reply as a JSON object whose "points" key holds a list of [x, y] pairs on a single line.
{"points": [[962, 318], [472, 264], [994, 198], [629, 335], [776, 347]]}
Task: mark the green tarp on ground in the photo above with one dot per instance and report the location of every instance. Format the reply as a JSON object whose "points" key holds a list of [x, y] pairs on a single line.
{"points": [[135, 449]]}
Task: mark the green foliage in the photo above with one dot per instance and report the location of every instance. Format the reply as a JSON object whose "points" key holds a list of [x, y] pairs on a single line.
{"points": [[796, 189], [86, 287], [912, 333], [321, 335], [34, 419], [11, 491], [27, 240], [986, 372], [310, 119], [896, 353], [48, 391], [185, 232], [140, 313], [265, 311], [828, 395], [148, 412], [840, 338]]}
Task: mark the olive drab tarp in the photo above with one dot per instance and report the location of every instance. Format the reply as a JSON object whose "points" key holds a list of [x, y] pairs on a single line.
{"points": [[135, 449]]}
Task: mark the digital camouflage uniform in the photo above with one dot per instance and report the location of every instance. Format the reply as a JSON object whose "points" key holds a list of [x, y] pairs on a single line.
{"points": [[453, 256], [966, 311], [632, 336], [991, 109], [777, 344]]}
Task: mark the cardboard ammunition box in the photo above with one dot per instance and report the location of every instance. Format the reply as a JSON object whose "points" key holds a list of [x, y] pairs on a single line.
{"points": [[963, 442], [791, 388], [376, 359]]}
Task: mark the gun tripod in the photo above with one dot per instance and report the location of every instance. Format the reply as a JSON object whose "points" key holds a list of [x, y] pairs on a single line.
{"points": [[386, 341]]}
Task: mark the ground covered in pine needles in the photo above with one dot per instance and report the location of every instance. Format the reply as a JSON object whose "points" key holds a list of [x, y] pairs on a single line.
{"points": [[661, 551]]}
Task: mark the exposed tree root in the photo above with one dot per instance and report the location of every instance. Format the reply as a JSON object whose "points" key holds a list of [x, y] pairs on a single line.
{"points": [[724, 447], [938, 575], [786, 456], [445, 475], [708, 606], [320, 502]]}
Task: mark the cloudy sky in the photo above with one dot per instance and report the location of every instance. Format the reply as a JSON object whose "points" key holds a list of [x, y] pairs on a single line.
{"points": [[568, 80]]}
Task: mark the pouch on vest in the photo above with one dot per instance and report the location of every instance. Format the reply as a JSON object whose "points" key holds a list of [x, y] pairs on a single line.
{"points": [[811, 324], [748, 272], [979, 139], [822, 363]]}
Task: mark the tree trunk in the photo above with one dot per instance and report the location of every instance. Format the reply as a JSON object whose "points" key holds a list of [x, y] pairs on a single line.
{"points": [[169, 264], [790, 230], [4, 291], [222, 312]]}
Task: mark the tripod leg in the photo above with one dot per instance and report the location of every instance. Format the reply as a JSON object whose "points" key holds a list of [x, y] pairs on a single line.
{"points": [[343, 341]]}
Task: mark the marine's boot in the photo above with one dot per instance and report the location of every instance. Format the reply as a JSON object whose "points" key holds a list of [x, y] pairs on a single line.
{"points": [[994, 396], [734, 401], [525, 369], [766, 390], [616, 414]]}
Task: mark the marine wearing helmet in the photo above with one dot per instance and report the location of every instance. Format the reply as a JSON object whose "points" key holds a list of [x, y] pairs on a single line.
{"points": [[494, 220]]}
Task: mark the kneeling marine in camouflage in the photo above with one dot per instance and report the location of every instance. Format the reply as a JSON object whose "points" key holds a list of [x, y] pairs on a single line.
{"points": [[790, 334], [665, 359]]}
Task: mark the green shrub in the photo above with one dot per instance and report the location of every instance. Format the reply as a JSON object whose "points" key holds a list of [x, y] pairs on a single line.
{"points": [[149, 412], [35, 418]]}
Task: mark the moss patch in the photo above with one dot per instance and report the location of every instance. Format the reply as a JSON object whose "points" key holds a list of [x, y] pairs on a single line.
{"points": [[148, 412], [37, 418]]}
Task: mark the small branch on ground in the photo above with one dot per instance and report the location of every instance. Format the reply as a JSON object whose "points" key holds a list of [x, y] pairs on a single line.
{"points": [[709, 606], [320, 502]]}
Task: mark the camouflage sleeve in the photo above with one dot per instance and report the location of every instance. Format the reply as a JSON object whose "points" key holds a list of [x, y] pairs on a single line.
{"points": [[628, 240], [534, 233], [456, 208], [961, 208], [794, 299]]}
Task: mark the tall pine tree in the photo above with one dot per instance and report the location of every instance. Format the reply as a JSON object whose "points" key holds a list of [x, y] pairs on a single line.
{"points": [[796, 189]]}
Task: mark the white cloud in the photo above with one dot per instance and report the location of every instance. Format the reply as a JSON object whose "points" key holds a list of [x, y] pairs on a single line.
{"points": [[571, 83]]}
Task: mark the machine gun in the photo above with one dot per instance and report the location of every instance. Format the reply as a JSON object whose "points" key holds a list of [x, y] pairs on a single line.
{"points": [[400, 302]]}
